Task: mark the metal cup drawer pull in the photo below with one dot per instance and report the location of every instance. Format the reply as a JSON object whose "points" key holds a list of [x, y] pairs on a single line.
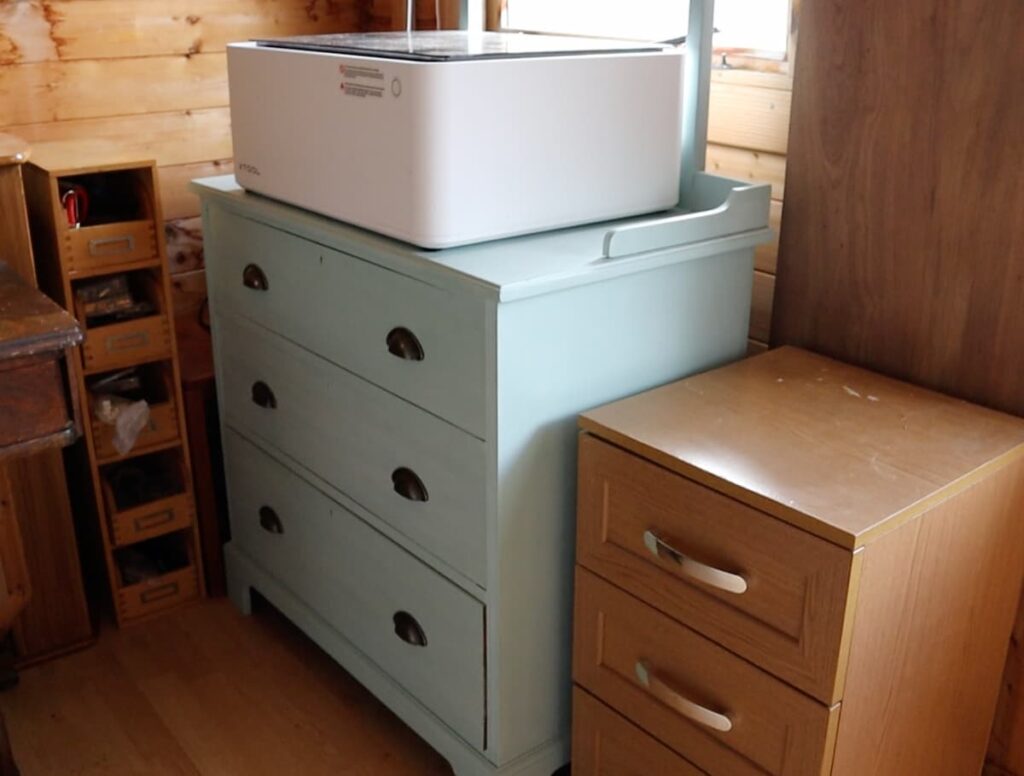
{"points": [[677, 702], [262, 396], [408, 485], [402, 343], [269, 521], [709, 575], [408, 630], [253, 277]]}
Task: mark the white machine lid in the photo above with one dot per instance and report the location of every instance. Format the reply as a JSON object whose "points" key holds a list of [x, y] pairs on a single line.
{"points": [[460, 45]]}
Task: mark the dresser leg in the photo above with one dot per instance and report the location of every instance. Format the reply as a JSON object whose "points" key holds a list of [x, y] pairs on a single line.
{"points": [[239, 589]]}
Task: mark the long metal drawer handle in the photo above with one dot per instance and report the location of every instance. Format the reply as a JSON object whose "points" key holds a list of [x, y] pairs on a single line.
{"points": [[270, 522], [403, 343], [95, 246], [262, 396], [408, 485], [408, 630], [253, 277], [675, 701], [709, 575]]}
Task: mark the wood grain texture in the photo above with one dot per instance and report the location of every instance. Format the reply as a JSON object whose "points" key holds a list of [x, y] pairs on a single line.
{"points": [[775, 729], [15, 240], [1006, 750], [13, 150], [178, 201], [752, 117], [58, 91], [48, 30], [607, 744], [792, 618], [746, 165], [893, 449], [902, 248], [761, 302], [936, 600], [205, 691]]}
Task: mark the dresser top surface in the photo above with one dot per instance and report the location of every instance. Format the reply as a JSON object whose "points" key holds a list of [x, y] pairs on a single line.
{"points": [[839, 451], [507, 269]]}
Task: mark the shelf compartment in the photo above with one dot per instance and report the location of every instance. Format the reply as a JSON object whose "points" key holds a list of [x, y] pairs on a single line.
{"points": [[111, 345], [166, 591], [92, 249], [162, 427], [155, 575], [146, 496]]}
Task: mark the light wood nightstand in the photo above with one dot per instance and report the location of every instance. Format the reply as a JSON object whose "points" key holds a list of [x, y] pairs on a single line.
{"points": [[793, 566]]}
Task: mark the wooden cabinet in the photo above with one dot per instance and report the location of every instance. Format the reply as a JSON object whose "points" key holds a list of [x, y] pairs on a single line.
{"points": [[142, 495], [399, 433], [793, 566], [56, 619]]}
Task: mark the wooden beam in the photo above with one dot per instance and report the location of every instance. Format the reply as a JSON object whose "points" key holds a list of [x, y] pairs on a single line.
{"points": [[60, 91], [50, 30]]}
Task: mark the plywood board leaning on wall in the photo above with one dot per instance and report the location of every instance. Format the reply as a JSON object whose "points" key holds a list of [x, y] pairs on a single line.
{"points": [[903, 245]]}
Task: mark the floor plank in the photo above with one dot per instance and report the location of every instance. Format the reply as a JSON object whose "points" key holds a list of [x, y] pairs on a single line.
{"points": [[206, 691]]}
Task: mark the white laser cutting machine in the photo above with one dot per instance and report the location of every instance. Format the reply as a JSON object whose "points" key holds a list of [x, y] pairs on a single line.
{"points": [[454, 137]]}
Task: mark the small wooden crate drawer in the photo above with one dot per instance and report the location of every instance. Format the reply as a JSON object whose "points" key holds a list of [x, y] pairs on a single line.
{"points": [[153, 519], [719, 711], [768, 591], [163, 592], [131, 342], [605, 743], [108, 246], [161, 428]]}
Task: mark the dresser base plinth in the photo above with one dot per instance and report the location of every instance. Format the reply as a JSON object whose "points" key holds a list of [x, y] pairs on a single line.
{"points": [[244, 576]]}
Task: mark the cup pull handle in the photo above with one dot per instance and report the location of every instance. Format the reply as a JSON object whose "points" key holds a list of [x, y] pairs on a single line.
{"points": [[402, 343], [253, 277], [677, 702], [408, 485], [269, 521], [709, 575], [408, 630], [262, 396]]}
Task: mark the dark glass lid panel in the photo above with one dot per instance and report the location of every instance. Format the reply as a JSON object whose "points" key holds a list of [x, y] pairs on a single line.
{"points": [[456, 45]]}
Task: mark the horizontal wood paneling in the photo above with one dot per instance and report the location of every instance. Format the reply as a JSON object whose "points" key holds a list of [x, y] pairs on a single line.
{"points": [[184, 137], [178, 201], [747, 165], [750, 117], [83, 89], [50, 30]]}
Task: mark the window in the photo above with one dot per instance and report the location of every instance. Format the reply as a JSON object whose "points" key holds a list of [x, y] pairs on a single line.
{"points": [[751, 33]]}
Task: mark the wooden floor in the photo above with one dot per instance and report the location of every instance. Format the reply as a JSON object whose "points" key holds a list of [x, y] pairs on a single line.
{"points": [[206, 691]]}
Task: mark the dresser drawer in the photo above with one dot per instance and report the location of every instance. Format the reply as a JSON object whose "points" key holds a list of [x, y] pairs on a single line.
{"points": [[606, 744], [415, 340], [422, 630], [413, 470], [718, 711], [764, 589]]}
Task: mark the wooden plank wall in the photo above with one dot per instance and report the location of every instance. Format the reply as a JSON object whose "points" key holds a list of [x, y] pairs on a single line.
{"points": [[150, 76]]}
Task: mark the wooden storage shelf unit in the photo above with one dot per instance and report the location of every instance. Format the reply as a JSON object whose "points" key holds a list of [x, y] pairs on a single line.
{"points": [[117, 252], [169, 576]]}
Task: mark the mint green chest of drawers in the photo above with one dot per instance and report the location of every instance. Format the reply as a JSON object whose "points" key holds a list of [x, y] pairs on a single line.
{"points": [[399, 433]]}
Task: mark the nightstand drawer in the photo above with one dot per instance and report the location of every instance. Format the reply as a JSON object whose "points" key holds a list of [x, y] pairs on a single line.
{"points": [[422, 630], [721, 713], [421, 475], [766, 590], [605, 743], [417, 341]]}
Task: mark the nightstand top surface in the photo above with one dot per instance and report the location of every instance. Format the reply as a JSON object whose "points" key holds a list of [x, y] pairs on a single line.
{"points": [[839, 451]]}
